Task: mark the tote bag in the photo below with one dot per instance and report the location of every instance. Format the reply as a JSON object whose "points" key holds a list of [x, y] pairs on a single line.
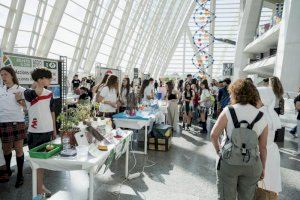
{"points": [[263, 194]]}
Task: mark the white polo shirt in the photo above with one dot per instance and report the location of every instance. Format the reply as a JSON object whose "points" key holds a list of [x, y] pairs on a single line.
{"points": [[108, 95], [10, 109]]}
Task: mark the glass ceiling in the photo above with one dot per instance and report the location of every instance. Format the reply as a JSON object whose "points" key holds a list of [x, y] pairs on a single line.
{"points": [[153, 35]]}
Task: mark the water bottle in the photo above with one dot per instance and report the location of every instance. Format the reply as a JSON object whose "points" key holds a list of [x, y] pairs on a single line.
{"points": [[66, 142]]}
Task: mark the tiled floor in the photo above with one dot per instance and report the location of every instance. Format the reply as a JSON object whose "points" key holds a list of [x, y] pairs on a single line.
{"points": [[186, 172]]}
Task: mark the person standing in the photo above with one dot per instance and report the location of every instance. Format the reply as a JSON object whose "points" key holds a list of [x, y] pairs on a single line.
{"points": [[109, 97], [238, 181], [204, 105], [297, 106], [146, 92], [41, 112], [97, 88], [75, 83], [277, 88], [155, 86], [125, 89], [223, 96], [172, 98], [12, 121], [188, 96], [272, 180]]}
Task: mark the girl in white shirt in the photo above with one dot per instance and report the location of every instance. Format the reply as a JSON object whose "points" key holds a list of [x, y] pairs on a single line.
{"points": [[146, 91], [109, 97], [204, 105], [97, 88], [125, 89], [12, 121]]}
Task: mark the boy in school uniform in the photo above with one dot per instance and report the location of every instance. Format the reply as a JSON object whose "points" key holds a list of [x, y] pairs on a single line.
{"points": [[42, 127]]}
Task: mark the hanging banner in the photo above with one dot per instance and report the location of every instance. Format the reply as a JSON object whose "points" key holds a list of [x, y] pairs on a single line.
{"points": [[136, 73], [227, 69], [24, 65], [101, 71]]}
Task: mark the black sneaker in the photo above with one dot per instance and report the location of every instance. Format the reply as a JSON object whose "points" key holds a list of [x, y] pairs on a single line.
{"points": [[19, 182], [203, 131]]}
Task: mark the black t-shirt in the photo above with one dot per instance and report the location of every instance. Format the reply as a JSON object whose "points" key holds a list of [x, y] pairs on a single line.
{"points": [[295, 100], [91, 82], [84, 96], [76, 83]]}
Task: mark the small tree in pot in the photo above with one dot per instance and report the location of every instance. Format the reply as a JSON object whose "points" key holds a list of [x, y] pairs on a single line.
{"points": [[69, 121]]}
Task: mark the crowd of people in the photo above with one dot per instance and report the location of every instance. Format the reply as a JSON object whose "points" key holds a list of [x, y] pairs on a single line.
{"points": [[235, 106]]}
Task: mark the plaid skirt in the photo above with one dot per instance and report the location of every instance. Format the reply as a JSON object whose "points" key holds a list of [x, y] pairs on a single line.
{"points": [[12, 131]]}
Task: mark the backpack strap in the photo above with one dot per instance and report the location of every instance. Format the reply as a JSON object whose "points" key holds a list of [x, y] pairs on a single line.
{"points": [[257, 118], [234, 117]]}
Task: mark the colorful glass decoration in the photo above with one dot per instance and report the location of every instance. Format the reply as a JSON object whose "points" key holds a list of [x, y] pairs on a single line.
{"points": [[202, 37]]}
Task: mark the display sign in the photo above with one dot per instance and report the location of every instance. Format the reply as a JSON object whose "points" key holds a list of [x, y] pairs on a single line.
{"points": [[227, 69], [24, 65], [101, 71], [135, 72]]}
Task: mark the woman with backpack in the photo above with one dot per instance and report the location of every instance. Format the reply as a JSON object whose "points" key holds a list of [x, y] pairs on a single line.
{"points": [[242, 156]]}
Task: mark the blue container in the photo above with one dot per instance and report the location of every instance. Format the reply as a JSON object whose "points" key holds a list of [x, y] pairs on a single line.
{"points": [[159, 95]]}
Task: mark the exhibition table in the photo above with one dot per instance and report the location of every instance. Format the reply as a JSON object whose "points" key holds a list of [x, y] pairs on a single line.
{"points": [[91, 164], [139, 121]]}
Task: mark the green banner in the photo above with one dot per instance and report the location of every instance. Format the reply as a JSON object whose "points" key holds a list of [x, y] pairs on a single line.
{"points": [[21, 61]]}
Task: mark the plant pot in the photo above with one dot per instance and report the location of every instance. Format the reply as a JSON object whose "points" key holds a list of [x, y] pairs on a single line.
{"points": [[71, 135]]}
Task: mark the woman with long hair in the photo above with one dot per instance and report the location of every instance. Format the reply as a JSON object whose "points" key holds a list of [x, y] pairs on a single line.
{"points": [[172, 98], [12, 122], [204, 105], [240, 180], [109, 97], [277, 88], [188, 96], [144, 95], [97, 88], [125, 89], [272, 180]]}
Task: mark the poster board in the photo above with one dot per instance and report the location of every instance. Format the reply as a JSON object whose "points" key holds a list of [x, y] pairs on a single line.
{"points": [[227, 69], [24, 65], [101, 71]]}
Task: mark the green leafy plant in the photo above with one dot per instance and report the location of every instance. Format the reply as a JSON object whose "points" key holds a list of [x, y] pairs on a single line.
{"points": [[84, 112], [68, 119]]}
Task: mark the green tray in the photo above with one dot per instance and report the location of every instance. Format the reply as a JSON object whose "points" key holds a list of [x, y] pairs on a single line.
{"points": [[44, 155]]}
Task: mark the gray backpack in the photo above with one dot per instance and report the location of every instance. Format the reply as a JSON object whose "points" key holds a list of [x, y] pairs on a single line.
{"points": [[242, 148]]}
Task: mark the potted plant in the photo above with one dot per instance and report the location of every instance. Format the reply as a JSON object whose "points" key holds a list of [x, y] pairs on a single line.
{"points": [[84, 113], [69, 121]]}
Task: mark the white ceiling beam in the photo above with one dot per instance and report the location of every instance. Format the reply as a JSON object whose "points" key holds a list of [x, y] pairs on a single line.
{"points": [[83, 36], [150, 43], [16, 25], [51, 28], [175, 44], [37, 26], [96, 44], [164, 35], [143, 36], [120, 35], [168, 43], [129, 34]]}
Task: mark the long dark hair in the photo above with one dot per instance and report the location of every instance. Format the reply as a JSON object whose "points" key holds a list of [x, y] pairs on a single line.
{"points": [[170, 87], [112, 82], [276, 86], [127, 87], [12, 72], [205, 83], [144, 85], [180, 85], [103, 82]]}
